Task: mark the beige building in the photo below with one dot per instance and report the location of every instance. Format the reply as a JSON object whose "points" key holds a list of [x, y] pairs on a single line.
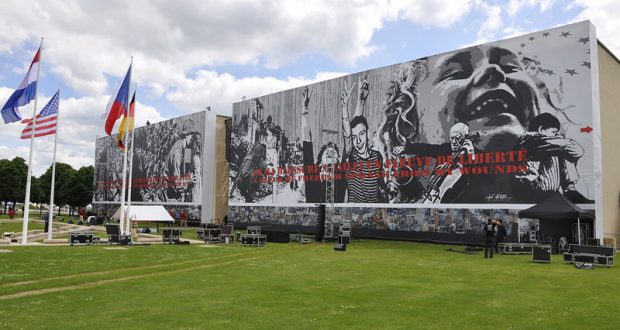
{"points": [[608, 212]]}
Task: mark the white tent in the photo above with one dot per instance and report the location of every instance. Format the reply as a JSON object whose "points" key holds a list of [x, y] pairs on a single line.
{"points": [[146, 213]]}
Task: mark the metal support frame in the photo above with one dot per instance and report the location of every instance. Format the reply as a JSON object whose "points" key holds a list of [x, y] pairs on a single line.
{"points": [[329, 199]]}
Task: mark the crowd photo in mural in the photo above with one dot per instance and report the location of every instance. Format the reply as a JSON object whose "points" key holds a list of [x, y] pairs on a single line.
{"points": [[166, 166], [507, 122]]}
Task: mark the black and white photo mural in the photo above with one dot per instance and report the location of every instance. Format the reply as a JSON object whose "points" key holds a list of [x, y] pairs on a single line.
{"points": [[505, 122], [167, 165], [502, 124]]}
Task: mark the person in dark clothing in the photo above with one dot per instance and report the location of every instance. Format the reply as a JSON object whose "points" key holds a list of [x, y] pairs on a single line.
{"points": [[490, 231], [46, 218], [501, 234]]}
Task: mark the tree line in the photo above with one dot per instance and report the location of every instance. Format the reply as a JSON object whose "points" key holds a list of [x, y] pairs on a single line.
{"points": [[73, 187]]}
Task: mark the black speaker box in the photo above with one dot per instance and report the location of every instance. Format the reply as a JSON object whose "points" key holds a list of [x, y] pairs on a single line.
{"points": [[340, 247]]}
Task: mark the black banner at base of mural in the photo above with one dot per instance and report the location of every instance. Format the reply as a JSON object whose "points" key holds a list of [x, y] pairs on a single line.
{"points": [[455, 226]]}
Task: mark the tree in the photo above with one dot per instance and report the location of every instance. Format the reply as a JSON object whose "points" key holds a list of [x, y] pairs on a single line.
{"points": [[36, 193], [5, 194], [84, 186], [46, 180], [13, 183], [66, 191]]}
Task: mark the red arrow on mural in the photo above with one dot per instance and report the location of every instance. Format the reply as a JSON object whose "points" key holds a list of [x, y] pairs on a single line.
{"points": [[586, 129]]}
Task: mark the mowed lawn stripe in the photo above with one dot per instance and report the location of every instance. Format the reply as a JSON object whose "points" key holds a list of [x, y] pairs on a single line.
{"points": [[134, 268], [126, 278], [77, 279]]}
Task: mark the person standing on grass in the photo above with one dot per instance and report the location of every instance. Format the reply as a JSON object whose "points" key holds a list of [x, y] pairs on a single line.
{"points": [[183, 218], [490, 231], [501, 233]]}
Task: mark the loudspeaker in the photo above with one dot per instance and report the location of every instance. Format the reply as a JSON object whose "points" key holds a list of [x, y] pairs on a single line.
{"points": [[594, 242], [320, 230], [343, 239], [340, 247]]}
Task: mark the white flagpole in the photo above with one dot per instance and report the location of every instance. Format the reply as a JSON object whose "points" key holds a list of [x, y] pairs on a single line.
{"points": [[121, 219], [130, 171], [129, 184], [34, 125], [50, 215]]}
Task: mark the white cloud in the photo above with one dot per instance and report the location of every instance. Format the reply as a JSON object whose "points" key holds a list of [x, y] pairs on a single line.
{"points": [[88, 39], [514, 6], [440, 13], [604, 15], [492, 24], [219, 91]]}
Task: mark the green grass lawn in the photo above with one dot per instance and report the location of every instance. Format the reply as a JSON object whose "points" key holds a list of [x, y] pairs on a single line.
{"points": [[374, 285], [7, 225]]}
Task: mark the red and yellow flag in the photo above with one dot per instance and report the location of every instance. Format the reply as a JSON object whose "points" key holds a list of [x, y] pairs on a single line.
{"points": [[127, 123]]}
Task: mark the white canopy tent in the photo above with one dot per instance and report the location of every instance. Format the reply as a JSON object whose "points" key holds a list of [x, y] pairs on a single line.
{"points": [[146, 213]]}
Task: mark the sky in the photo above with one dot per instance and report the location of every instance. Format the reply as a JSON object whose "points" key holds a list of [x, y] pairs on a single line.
{"points": [[192, 54]]}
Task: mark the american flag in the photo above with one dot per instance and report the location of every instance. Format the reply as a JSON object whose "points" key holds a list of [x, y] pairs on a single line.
{"points": [[46, 120]]}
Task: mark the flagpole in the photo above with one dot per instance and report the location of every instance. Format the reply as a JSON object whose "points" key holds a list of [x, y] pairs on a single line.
{"points": [[50, 216], [29, 179], [130, 123], [124, 185], [129, 185]]}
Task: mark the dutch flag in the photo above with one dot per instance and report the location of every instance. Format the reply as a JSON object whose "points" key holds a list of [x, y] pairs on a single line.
{"points": [[23, 94]]}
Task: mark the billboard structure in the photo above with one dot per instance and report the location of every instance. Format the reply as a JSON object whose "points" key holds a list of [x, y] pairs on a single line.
{"points": [[171, 160], [446, 140]]}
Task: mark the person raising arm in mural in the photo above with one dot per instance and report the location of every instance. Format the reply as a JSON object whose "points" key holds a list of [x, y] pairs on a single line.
{"points": [[312, 188], [364, 176]]}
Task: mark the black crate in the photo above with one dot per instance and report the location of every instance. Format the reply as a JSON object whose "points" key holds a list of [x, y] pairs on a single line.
{"points": [[515, 248], [541, 253], [598, 260], [80, 238], [253, 240]]}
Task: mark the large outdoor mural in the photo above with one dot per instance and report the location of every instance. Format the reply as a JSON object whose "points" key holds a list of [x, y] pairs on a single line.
{"points": [[166, 166], [507, 122]]}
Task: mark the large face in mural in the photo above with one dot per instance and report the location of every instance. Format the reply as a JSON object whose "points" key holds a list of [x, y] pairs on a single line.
{"points": [[486, 87]]}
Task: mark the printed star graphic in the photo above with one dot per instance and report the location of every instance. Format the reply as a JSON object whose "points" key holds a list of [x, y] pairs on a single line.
{"points": [[546, 34], [565, 34], [550, 72], [571, 72], [519, 53], [584, 40], [584, 63], [532, 38], [522, 45]]}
